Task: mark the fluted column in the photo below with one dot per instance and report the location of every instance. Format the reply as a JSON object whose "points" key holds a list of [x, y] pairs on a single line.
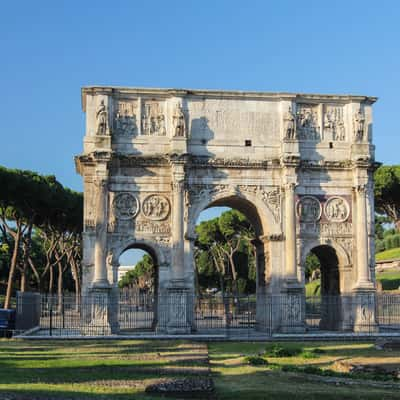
{"points": [[178, 226], [100, 265], [290, 234], [363, 276]]}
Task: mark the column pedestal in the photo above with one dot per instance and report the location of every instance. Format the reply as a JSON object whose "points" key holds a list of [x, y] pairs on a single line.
{"points": [[364, 311], [292, 308], [98, 307], [179, 304]]}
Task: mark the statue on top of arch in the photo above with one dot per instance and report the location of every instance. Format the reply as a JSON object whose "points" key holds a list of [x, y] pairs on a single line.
{"points": [[178, 122], [289, 125], [101, 117], [359, 125]]}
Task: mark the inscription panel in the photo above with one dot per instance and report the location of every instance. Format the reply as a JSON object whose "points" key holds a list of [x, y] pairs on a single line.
{"points": [[218, 120]]}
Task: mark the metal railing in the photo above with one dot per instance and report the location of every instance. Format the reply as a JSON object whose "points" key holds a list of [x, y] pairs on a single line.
{"points": [[136, 313]]}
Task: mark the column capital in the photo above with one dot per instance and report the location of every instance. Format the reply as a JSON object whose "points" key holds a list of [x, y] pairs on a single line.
{"points": [[100, 182], [178, 186], [360, 188], [289, 186], [278, 237]]}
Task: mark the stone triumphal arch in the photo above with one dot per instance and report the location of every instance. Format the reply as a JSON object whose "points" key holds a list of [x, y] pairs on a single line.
{"points": [[299, 166]]}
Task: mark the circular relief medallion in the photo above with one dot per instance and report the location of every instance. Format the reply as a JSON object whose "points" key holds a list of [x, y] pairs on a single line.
{"points": [[336, 209], [156, 207], [126, 206], [309, 209]]}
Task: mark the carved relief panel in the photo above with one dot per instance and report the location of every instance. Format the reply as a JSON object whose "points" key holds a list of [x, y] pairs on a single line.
{"points": [[147, 215], [336, 209], [271, 197], [153, 118], [307, 122], [125, 206], [156, 207], [321, 216], [309, 209], [334, 126], [125, 118]]}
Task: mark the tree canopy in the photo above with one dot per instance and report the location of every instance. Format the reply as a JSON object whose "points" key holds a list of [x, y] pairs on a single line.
{"points": [[141, 276], [36, 210], [224, 254], [387, 192]]}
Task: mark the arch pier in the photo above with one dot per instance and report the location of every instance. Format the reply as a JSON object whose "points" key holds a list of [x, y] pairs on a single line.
{"points": [[298, 166]]}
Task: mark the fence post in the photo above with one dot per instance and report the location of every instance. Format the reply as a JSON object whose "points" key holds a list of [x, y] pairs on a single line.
{"points": [[51, 318], [62, 313]]}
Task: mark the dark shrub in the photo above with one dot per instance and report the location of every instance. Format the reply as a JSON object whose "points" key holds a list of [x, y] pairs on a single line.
{"points": [[280, 351], [256, 360]]}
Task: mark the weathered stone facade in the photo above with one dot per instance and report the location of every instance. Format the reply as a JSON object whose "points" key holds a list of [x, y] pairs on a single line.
{"points": [[299, 166]]}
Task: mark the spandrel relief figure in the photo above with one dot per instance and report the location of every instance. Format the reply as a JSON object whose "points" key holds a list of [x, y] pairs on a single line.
{"points": [[359, 126], [289, 125], [178, 122], [101, 117]]}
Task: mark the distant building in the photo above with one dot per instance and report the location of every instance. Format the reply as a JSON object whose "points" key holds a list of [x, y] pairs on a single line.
{"points": [[123, 269]]}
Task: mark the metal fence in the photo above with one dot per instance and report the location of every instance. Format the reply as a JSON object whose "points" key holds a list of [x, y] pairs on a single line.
{"points": [[144, 313]]}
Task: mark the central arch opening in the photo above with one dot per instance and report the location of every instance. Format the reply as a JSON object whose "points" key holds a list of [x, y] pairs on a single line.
{"points": [[230, 264], [138, 288]]}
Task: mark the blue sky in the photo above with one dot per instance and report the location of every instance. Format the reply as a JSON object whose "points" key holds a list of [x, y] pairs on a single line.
{"points": [[50, 49]]}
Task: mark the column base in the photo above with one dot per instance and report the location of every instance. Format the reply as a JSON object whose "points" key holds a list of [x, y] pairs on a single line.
{"points": [[292, 285], [100, 284], [364, 286]]}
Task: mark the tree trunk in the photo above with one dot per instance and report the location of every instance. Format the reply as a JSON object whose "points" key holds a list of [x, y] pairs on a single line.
{"points": [[234, 276], [51, 280], [26, 247], [22, 287], [219, 264], [35, 272], [13, 266], [60, 286]]}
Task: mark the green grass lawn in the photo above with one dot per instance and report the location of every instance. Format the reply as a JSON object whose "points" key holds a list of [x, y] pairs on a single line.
{"points": [[388, 254], [313, 288], [122, 369], [88, 369], [235, 378]]}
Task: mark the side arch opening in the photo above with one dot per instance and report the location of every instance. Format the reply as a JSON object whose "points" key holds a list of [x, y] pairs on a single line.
{"points": [[138, 270], [323, 290]]}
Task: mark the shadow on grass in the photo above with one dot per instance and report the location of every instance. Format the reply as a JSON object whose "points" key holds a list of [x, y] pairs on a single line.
{"points": [[100, 371], [38, 394]]}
